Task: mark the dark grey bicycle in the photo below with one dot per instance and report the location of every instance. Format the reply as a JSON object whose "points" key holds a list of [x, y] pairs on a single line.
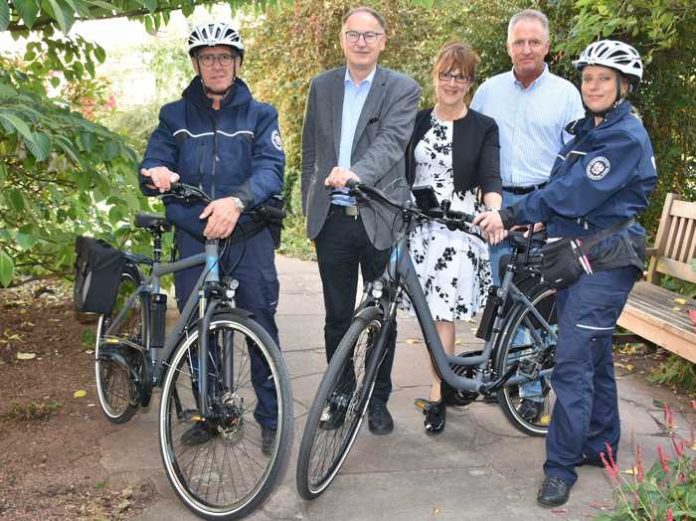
{"points": [[209, 431], [519, 326]]}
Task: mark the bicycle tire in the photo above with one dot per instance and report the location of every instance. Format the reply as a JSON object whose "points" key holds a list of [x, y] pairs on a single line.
{"points": [[117, 391], [207, 482], [543, 298], [347, 402]]}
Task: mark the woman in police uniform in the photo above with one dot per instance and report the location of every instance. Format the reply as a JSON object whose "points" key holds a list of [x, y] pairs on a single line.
{"points": [[601, 179]]}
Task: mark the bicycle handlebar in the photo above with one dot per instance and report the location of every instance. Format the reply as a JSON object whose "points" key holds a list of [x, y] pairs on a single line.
{"points": [[191, 194], [450, 218]]}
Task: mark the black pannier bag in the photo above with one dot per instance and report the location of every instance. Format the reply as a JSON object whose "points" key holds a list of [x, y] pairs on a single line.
{"points": [[98, 269]]}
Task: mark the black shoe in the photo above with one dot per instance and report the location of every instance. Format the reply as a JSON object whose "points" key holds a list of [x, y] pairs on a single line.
{"points": [[529, 410], [268, 436], [592, 461], [553, 492], [198, 434], [435, 414], [379, 419], [334, 413]]}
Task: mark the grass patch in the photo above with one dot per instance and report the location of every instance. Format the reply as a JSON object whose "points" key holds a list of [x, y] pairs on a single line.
{"points": [[676, 372], [31, 410]]}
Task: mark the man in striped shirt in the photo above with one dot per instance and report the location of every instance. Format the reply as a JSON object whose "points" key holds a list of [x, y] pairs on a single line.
{"points": [[532, 108]]}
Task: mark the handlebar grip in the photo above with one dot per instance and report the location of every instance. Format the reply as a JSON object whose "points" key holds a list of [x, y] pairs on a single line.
{"points": [[274, 214]]}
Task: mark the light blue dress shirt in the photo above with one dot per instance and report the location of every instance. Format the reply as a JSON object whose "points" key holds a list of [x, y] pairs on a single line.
{"points": [[354, 97], [531, 122]]}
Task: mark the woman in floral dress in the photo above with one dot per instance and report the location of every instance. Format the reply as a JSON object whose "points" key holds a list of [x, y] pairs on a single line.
{"points": [[455, 150]]}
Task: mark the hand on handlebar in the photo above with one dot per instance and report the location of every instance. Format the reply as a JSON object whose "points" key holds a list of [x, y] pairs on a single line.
{"points": [[162, 178], [491, 225], [222, 215], [338, 177]]}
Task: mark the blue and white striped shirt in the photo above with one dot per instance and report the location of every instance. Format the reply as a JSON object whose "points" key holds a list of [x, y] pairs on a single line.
{"points": [[530, 122], [354, 97]]}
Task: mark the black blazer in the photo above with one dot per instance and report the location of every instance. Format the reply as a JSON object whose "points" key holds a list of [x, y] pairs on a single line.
{"points": [[475, 151]]}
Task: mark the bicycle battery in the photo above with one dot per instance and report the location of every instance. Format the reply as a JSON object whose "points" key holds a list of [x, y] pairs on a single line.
{"points": [[158, 312], [489, 312]]}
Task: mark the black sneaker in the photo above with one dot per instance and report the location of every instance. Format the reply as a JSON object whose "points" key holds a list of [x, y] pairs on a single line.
{"points": [[553, 492], [268, 436], [529, 410], [379, 419], [197, 434]]}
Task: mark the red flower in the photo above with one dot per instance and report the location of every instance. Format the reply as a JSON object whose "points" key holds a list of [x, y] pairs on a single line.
{"points": [[609, 464], [640, 470], [670, 516], [678, 447], [669, 417], [664, 459]]}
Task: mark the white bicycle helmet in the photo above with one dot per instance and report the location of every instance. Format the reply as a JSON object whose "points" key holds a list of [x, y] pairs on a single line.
{"points": [[212, 34], [615, 55]]}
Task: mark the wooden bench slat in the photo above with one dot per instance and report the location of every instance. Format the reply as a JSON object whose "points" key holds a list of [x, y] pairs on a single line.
{"points": [[651, 311]]}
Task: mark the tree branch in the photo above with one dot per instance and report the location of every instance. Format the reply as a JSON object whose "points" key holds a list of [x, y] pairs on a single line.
{"points": [[45, 21]]}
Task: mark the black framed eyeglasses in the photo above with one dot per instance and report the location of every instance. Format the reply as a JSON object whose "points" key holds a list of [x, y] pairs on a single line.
{"points": [[208, 60], [458, 78], [370, 37]]}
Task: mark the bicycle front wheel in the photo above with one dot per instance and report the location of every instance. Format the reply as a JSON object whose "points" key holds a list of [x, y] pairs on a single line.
{"points": [[530, 347], [116, 386], [338, 409], [224, 463]]}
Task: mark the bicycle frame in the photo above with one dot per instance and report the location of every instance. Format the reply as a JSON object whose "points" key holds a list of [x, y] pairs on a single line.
{"points": [[151, 285], [400, 273]]}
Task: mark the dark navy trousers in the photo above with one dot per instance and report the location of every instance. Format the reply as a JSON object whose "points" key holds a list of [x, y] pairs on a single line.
{"points": [[586, 416], [343, 247], [253, 262]]}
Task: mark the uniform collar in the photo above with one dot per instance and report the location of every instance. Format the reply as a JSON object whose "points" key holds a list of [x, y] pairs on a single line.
{"points": [[239, 94]]}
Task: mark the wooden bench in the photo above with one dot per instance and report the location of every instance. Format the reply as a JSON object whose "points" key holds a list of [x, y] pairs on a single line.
{"points": [[653, 312]]}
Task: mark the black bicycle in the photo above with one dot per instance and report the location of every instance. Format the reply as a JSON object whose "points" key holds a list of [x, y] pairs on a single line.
{"points": [[209, 414], [519, 326]]}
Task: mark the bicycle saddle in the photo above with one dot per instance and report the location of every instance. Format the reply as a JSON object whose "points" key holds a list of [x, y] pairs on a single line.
{"points": [[152, 222]]}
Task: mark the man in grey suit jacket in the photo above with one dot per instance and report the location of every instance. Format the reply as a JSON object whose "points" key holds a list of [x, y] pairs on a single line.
{"points": [[358, 123]]}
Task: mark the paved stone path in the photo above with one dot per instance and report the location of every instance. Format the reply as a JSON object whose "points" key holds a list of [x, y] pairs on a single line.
{"points": [[480, 468]]}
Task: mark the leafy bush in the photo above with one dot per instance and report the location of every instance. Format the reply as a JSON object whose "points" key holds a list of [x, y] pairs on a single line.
{"points": [[666, 491]]}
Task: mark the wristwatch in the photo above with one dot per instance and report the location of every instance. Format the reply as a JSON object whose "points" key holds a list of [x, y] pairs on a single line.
{"points": [[237, 203], [491, 209]]}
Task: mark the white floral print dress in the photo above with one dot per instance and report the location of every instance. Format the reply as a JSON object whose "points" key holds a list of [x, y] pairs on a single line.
{"points": [[453, 266]]}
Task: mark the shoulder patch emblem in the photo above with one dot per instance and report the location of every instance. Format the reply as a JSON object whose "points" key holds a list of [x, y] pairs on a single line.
{"points": [[598, 168], [275, 139]]}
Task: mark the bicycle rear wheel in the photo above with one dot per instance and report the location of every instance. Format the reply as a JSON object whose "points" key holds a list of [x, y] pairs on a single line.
{"points": [[114, 367], [216, 462], [339, 406], [529, 346]]}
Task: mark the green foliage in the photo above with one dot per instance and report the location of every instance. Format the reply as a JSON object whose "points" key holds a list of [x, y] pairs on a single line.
{"points": [[298, 41], [666, 491], [62, 175], [676, 371], [32, 410], [663, 32]]}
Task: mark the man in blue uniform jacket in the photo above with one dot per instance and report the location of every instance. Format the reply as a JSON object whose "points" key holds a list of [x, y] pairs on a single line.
{"points": [[601, 180], [219, 138]]}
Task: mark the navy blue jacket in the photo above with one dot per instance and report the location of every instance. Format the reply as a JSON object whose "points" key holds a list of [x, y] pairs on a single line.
{"points": [[601, 177], [234, 151]]}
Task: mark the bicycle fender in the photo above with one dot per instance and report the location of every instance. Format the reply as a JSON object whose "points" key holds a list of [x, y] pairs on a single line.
{"points": [[366, 312]]}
